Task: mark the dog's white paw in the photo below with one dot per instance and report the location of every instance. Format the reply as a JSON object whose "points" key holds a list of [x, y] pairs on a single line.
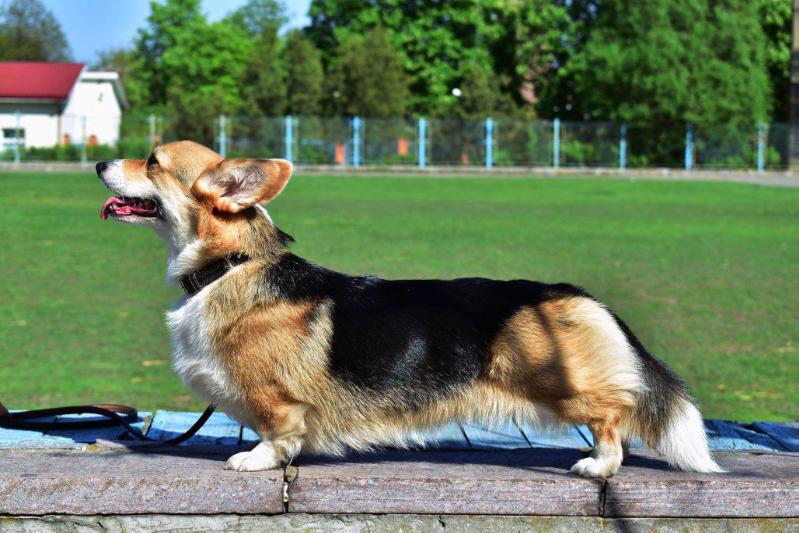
{"points": [[590, 467], [260, 458]]}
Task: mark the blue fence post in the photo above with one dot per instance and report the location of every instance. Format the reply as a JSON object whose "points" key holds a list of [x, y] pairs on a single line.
{"points": [[689, 147], [356, 141], [489, 142], [422, 142], [556, 143], [222, 136], [288, 138], [761, 147], [16, 137], [623, 147]]}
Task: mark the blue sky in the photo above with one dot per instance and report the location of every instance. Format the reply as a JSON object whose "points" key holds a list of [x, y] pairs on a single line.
{"points": [[95, 25]]}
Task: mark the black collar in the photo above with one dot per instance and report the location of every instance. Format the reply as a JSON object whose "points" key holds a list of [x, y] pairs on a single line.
{"points": [[193, 282]]}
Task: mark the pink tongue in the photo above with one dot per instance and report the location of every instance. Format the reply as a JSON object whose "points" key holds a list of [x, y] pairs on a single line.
{"points": [[122, 208], [112, 200]]}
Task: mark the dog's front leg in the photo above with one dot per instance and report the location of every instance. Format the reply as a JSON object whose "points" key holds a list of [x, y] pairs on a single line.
{"points": [[281, 440]]}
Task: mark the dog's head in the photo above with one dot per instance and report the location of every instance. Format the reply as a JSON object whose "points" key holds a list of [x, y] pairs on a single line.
{"points": [[191, 195]]}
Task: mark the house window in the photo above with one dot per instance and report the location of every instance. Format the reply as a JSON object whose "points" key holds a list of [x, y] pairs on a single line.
{"points": [[12, 137]]}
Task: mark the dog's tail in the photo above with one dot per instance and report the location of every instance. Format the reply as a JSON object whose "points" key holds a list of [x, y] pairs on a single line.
{"points": [[665, 416]]}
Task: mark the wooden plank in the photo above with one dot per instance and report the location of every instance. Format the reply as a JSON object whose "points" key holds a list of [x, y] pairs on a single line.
{"points": [[730, 436], [504, 435], [218, 430], [755, 485], [512, 482], [68, 482], [565, 437], [786, 434]]}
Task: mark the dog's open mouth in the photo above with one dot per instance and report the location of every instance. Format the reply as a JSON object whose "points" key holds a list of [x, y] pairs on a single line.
{"points": [[126, 206]]}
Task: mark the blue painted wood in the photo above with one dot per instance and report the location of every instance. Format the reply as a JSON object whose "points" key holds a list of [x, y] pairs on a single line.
{"points": [[219, 429], [17, 438], [249, 436], [90, 436], [20, 438], [567, 437], [785, 434], [447, 437], [504, 435], [636, 443], [726, 436]]}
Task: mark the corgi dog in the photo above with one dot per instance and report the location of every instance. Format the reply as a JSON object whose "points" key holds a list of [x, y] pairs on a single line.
{"points": [[316, 360]]}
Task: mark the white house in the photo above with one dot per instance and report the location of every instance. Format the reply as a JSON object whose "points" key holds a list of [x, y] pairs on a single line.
{"points": [[44, 104]]}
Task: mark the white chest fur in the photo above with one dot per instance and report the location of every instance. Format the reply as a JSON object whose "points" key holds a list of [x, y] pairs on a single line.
{"points": [[194, 359]]}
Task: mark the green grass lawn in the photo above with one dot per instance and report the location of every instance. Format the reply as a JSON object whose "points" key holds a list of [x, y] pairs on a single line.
{"points": [[707, 274]]}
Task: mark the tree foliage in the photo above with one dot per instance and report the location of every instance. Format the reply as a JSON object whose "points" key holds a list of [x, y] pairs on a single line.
{"points": [[263, 83], [366, 77], [30, 32], [166, 25], [775, 18], [304, 75], [661, 65], [439, 41], [119, 60], [716, 64]]}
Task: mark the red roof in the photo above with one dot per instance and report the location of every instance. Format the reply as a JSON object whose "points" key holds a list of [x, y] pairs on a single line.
{"points": [[46, 81]]}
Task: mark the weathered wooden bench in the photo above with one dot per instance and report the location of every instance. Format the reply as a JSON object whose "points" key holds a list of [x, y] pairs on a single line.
{"points": [[506, 477]]}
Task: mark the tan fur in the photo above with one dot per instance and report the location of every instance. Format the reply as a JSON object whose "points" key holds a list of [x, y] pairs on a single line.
{"points": [[554, 354], [214, 184], [185, 160]]}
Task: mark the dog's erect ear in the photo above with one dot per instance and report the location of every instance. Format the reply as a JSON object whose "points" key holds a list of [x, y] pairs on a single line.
{"points": [[236, 184]]}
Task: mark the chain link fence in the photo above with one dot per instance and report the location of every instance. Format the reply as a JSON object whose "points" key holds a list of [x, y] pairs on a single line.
{"points": [[353, 142]]}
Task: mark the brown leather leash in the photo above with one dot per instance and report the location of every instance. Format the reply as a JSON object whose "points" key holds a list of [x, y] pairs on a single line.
{"points": [[116, 415]]}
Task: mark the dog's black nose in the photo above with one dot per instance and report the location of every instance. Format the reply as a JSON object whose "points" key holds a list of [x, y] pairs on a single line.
{"points": [[102, 165]]}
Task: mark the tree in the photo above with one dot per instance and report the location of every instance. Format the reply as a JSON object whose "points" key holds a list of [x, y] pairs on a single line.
{"points": [[481, 95], [264, 78], [660, 65], [437, 41], [259, 16], [305, 76], [30, 32], [167, 23], [206, 66], [775, 19], [119, 60], [367, 77], [189, 69]]}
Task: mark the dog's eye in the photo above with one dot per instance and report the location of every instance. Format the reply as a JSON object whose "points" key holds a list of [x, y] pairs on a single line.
{"points": [[151, 160]]}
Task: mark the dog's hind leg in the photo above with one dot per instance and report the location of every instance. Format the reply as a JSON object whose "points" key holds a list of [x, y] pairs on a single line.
{"points": [[281, 433], [608, 451]]}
